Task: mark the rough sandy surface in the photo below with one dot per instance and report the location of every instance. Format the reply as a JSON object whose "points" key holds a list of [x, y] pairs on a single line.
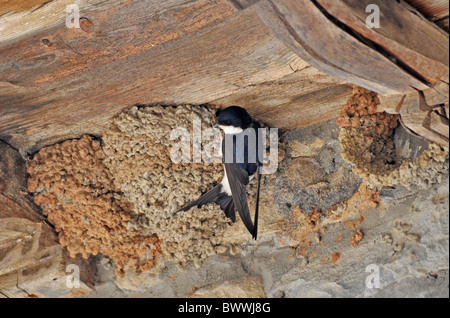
{"points": [[75, 191], [325, 221]]}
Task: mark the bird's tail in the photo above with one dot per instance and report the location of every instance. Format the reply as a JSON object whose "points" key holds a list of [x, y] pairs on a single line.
{"points": [[255, 227], [217, 196]]}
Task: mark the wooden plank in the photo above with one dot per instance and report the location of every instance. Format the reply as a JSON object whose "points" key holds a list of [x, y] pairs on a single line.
{"points": [[7, 281], [58, 83], [409, 103], [303, 98], [195, 52], [439, 124], [11, 6], [422, 112], [433, 9], [304, 28], [20, 18], [391, 103], [413, 103], [416, 44], [416, 101], [21, 248], [408, 55], [438, 92], [420, 124]]}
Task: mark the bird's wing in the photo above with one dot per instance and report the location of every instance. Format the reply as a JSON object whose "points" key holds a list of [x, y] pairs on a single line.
{"points": [[214, 195], [227, 205], [238, 179], [210, 196]]}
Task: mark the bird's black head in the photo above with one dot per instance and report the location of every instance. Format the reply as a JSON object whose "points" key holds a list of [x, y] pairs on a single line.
{"points": [[234, 119]]}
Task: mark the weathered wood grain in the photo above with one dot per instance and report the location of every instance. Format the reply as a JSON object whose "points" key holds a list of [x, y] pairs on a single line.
{"points": [[58, 83], [439, 123], [434, 9], [419, 123], [422, 111], [303, 98], [438, 93], [21, 18], [418, 45], [320, 41], [193, 52]]}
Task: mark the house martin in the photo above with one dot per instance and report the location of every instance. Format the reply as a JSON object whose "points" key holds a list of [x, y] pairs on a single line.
{"points": [[241, 162]]}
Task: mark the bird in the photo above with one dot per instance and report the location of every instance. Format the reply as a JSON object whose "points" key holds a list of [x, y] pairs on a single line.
{"points": [[240, 165]]}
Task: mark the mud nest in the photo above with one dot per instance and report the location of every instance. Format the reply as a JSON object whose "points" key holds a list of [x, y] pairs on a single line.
{"points": [[75, 191], [138, 152], [117, 195], [369, 143]]}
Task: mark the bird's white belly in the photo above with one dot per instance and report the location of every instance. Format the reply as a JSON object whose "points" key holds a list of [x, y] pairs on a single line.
{"points": [[230, 130], [225, 184]]}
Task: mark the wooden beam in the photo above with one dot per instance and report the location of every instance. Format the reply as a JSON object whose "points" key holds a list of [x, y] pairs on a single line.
{"points": [[306, 97], [190, 52], [321, 40], [438, 92], [58, 83], [423, 112], [433, 9], [419, 123], [416, 44], [21, 18], [439, 123]]}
